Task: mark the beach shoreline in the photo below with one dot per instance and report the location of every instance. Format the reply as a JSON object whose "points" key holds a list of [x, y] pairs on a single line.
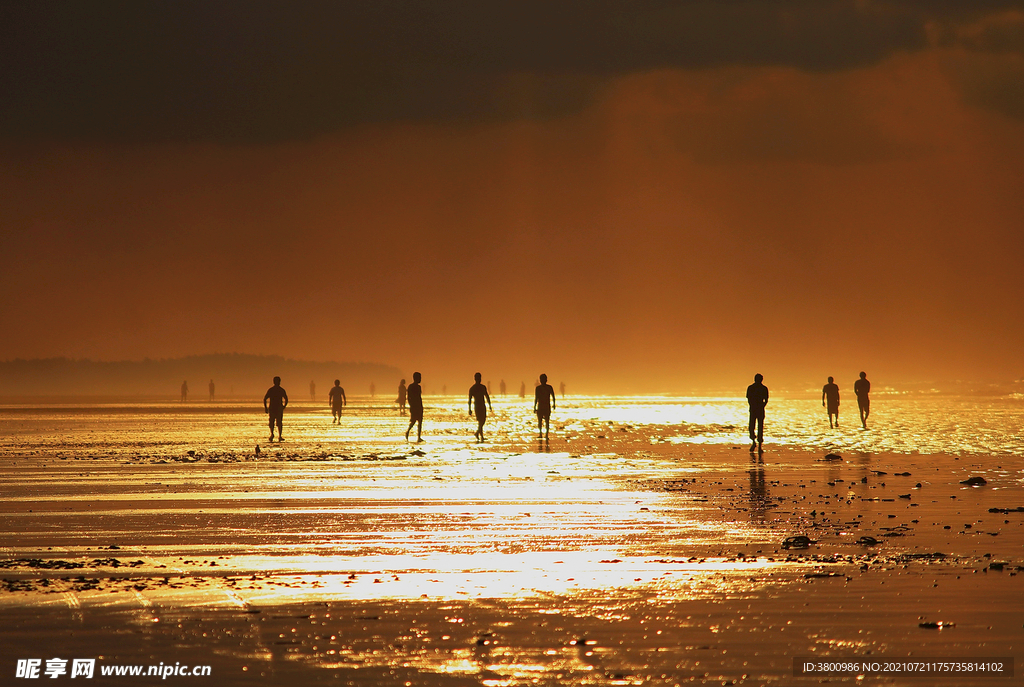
{"points": [[575, 561]]}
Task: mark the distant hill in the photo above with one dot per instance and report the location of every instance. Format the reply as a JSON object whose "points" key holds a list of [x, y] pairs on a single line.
{"points": [[234, 374]]}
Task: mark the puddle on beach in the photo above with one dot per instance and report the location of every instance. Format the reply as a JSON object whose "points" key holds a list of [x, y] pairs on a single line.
{"points": [[612, 532]]}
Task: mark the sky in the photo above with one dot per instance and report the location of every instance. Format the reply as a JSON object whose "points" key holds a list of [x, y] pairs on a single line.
{"points": [[633, 195]]}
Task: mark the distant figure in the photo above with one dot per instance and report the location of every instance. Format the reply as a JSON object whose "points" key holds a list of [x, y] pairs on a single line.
{"points": [[862, 387], [479, 394], [561, 389], [184, 391], [401, 397], [336, 400], [830, 393], [543, 404], [274, 403], [312, 390], [501, 387], [522, 390], [212, 387], [415, 407], [373, 389], [757, 397], [444, 389], [488, 386]]}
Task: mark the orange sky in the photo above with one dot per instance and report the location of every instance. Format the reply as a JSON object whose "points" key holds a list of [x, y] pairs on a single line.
{"points": [[682, 229]]}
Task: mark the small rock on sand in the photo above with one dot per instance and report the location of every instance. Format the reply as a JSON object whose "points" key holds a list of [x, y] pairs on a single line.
{"points": [[799, 541]]}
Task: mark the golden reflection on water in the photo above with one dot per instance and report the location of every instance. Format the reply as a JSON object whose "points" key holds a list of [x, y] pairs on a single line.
{"points": [[453, 524], [363, 514]]}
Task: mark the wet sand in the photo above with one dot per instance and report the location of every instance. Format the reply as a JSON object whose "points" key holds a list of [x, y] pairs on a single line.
{"points": [[605, 556]]}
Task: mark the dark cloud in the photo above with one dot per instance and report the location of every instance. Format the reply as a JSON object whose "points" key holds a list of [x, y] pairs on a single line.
{"points": [[993, 82], [265, 71]]}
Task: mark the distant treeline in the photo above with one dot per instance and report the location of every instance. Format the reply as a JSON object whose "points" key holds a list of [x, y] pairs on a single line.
{"points": [[234, 375]]}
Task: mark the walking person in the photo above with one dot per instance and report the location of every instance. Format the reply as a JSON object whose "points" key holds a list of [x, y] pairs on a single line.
{"points": [[336, 400], [274, 403], [415, 395], [862, 387], [830, 394], [478, 394], [402, 391], [757, 399], [543, 404]]}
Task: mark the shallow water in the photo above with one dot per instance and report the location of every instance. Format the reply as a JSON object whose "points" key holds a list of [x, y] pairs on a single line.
{"points": [[347, 550], [898, 424], [640, 481]]}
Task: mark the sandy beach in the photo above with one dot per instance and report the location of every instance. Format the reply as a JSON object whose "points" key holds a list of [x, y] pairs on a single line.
{"points": [[607, 555]]}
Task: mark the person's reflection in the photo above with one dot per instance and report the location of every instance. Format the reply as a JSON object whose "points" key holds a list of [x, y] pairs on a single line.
{"points": [[759, 497], [543, 445]]}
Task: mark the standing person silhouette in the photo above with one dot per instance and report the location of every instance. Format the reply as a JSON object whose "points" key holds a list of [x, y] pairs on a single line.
{"points": [[757, 398], [862, 387], [543, 404], [501, 387], [830, 393], [212, 388], [478, 394], [312, 390], [561, 389], [373, 389], [184, 391], [336, 400], [522, 390], [415, 393], [274, 403], [401, 397]]}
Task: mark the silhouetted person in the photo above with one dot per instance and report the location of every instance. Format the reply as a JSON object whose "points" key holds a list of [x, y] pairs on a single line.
{"points": [[373, 389], [336, 400], [444, 389], [543, 404], [274, 403], [561, 389], [522, 390], [184, 391], [312, 390], [830, 394], [415, 393], [501, 387], [401, 397], [757, 398], [212, 388], [479, 395], [862, 387]]}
